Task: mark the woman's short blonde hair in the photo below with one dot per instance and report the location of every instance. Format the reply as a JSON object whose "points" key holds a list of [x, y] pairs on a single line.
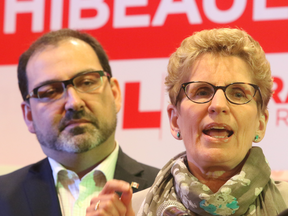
{"points": [[225, 42]]}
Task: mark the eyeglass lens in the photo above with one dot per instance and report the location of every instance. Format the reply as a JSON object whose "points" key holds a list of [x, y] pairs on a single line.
{"points": [[235, 93], [83, 83]]}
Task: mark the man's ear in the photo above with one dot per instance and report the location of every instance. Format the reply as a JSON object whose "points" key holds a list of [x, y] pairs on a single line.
{"points": [[173, 115], [27, 115], [116, 93], [263, 120]]}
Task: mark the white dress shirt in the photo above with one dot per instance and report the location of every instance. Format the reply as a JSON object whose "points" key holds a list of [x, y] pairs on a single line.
{"points": [[75, 194]]}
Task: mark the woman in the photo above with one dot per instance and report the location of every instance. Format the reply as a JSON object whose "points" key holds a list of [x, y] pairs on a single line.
{"points": [[219, 83]]}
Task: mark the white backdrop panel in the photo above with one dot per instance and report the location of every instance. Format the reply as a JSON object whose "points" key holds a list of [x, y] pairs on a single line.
{"points": [[154, 146]]}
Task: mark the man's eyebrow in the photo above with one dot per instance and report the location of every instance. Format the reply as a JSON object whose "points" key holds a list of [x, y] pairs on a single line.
{"points": [[57, 81], [48, 82]]}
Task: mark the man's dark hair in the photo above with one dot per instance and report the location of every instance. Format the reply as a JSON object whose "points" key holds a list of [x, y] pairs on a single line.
{"points": [[53, 38]]}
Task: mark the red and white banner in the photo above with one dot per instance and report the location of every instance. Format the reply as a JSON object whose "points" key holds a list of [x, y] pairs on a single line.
{"points": [[139, 36]]}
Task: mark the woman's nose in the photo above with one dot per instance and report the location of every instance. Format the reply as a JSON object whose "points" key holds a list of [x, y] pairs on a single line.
{"points": [[219, 103]]}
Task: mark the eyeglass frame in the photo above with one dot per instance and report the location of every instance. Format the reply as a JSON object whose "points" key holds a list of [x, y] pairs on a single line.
{"points": [[34, 92], [223, 88]]}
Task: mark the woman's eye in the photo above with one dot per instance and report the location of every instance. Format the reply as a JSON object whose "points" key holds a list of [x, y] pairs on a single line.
{"points": [[202, 93], [239, 94]]}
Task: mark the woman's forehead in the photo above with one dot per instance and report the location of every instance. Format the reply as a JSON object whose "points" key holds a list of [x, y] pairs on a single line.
{"points": [[217, 69]]}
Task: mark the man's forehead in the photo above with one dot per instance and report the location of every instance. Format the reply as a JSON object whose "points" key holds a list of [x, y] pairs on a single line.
{"points": [[67, 56], [63, 45], [55, 44]]}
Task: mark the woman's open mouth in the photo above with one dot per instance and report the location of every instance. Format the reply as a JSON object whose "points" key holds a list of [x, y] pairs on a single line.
{"points": [[219, 132]]}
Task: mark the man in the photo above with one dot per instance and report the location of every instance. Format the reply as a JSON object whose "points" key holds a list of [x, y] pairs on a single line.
{"points": [[70, 101]]}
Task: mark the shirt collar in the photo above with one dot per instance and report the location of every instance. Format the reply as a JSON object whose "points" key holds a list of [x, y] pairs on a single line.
{"points": [[107, 166]]}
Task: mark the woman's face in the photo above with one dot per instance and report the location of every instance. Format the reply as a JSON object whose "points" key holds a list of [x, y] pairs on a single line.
{"points": [[206, 128]]}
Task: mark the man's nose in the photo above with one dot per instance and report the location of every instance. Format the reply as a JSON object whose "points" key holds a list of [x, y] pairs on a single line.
{"points": [[73, 99]]}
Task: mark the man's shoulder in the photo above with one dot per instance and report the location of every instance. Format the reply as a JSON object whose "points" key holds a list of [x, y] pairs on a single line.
{"points": [[134, 166], [29, 190], [149, 169], [129, 169], [14, 185], [15, 177]]}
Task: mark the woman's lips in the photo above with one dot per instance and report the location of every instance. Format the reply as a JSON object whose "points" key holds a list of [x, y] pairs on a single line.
{"points": [[219, 132]]}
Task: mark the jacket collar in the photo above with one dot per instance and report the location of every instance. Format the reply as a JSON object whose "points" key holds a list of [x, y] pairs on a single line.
{"points": [[129, 170], [40, 190]]}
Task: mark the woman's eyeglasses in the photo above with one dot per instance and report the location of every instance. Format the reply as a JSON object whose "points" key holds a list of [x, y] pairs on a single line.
{"points": [[236, 93]]}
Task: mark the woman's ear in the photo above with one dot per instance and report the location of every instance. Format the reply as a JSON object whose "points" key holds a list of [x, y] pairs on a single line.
{"points": [[173, 115], [27, 115], [263, 120]]}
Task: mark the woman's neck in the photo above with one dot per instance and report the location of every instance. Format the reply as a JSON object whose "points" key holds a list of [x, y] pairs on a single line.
{"points": [[215, 177]]}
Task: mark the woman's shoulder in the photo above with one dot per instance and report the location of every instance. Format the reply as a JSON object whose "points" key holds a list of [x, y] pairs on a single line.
{"points": [[138, 198], [283, 189], [282, 186]]}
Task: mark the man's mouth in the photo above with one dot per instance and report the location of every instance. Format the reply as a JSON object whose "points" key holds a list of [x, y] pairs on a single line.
{"points": [[219, 132], [73, 123], [76, 122]]}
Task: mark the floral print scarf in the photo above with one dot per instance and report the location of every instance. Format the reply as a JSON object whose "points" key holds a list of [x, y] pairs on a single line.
{"points": [[251, 192]]}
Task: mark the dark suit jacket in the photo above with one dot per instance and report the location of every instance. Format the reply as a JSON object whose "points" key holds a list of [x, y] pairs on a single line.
{"points": [[31, 190], [284, 213]]}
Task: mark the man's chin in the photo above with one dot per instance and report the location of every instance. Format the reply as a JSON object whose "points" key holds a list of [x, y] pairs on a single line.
{"points": [[74, 149], [75, 144], [77, 131]]}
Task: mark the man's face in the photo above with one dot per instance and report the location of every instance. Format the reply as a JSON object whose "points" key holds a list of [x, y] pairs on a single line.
{"points": [[77, 122]]}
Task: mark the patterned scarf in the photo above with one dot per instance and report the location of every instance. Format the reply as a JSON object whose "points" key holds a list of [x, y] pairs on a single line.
{"points": [[251, 192]]}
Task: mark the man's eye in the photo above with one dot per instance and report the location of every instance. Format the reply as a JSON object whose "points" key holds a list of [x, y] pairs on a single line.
{"points": [[88, 82], [86, 85], [50, 91], [47, 94]]}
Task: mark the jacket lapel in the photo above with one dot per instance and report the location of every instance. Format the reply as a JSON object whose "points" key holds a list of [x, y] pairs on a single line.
{"points": [[40, 190], [127, 169]]}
